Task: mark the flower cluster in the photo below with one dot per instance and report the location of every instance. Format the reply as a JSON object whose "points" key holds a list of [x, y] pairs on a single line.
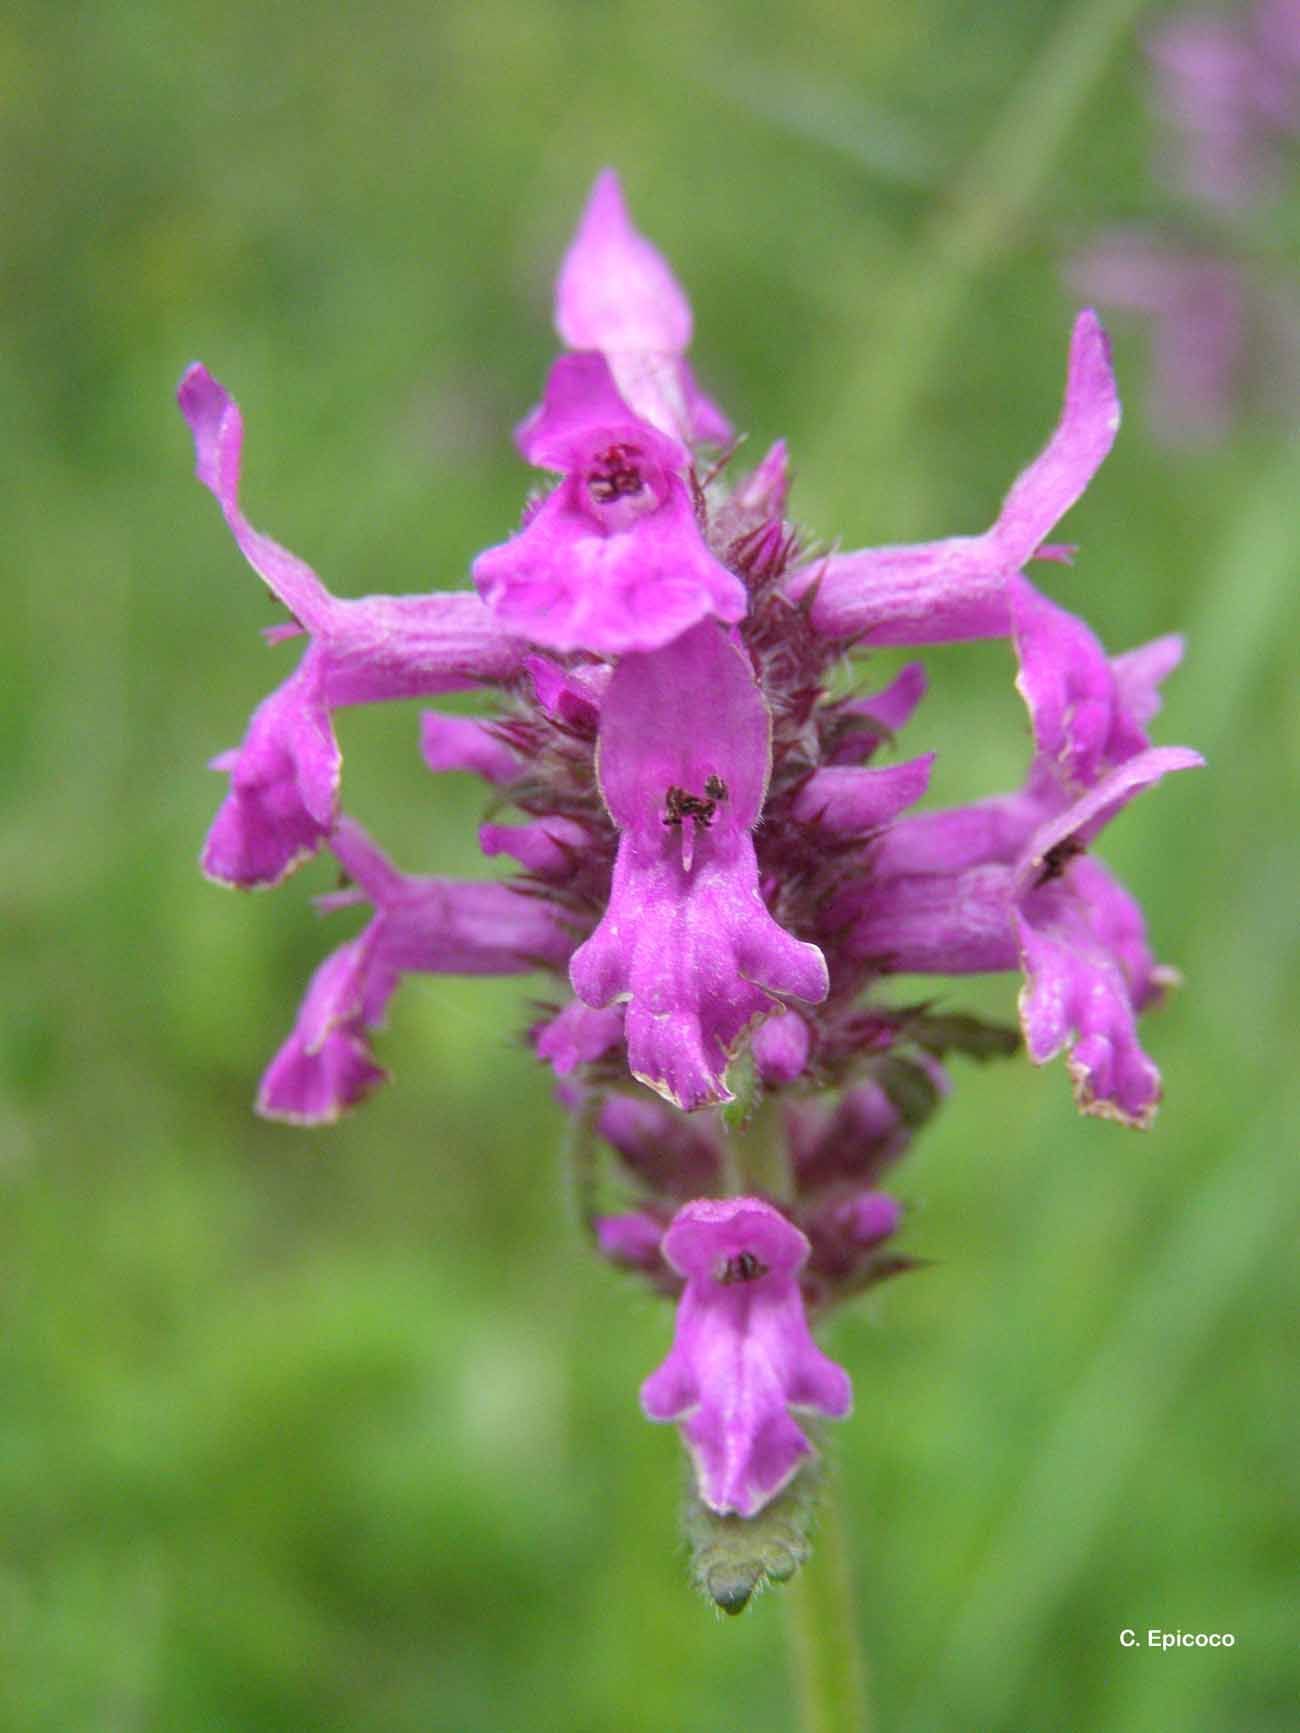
{"points": [[1226, 91], [718, 855]]}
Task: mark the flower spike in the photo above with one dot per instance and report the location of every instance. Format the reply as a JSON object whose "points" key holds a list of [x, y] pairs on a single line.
{"points": [[689, 822]]}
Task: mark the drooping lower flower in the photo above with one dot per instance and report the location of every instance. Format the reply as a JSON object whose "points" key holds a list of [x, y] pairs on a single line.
{"points": [[742, 1356]]}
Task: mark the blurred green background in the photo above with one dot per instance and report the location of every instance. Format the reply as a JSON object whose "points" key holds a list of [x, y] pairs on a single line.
{"points": [[339, 1431]]}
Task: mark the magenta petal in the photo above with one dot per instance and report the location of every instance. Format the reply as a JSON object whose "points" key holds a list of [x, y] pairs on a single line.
{"points": [[958, 837], [460, 743], [1079, 994], [742, 1353], [615, 290], [325, 1066], [932, 924], [388, 647], [285, 776], [1091, 812], [687, 939], [1140, 673], [871, 1217], [616, 294], [583, 411], [865, 724], [939, 592], [765, 491], [927, 593], [677, 718], [781, 1047], [1080, 723], [570, 695], [303, 1088], [698, 957], [284, 782], [1088, 970], [577, 1035], [551, 848], [1058, 476], [613, 559], [449, 926], [845, 802], [566, 582], [896, 703], [218, 430]]}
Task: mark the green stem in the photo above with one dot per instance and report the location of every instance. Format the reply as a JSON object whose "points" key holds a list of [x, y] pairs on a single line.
{"points": [[580, 1163], [830, 1678], [985, 204], [758, 1152]]}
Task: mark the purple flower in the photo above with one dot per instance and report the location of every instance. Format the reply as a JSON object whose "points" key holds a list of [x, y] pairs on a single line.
{"points": [[461, 743], [692, 798], [1000, 884], [940, 592], [742, 1355], [684, 752], [616, 294], [974, 896], [781, 1047], [284, 779], [1228, 88], [613, 559], [424, 925], [1082, 942], [578, 1035]]}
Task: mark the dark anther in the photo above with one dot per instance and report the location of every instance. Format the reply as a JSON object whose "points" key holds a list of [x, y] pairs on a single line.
{"points": [[679, 805], [615, 473], [1057, 858], [742, 1267], [715, 787]]}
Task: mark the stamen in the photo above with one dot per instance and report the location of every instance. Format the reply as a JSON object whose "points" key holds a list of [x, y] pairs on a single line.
{"points": [[1058, 857], [615, 474], [741, 1267]]}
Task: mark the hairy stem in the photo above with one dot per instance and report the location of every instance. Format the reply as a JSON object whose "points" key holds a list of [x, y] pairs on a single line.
{"points": [[758, 1153], [830, 1678]]}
